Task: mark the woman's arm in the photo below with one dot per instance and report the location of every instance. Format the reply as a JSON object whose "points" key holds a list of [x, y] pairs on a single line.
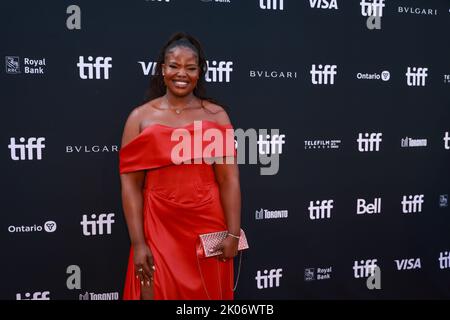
{"points": [[227, 176], [132, 184]]}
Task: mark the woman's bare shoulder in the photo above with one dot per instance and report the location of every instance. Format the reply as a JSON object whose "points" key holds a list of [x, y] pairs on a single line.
{"points": [[217, 112]]}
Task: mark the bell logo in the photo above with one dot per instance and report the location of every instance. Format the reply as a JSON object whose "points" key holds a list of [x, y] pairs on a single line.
{"points": [[267, 280], [90, 226]]}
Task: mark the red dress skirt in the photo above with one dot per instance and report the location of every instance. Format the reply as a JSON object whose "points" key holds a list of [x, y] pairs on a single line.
{"points": [[181, 201]]}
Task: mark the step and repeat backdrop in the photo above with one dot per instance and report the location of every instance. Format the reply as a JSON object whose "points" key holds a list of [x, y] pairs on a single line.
{"points": [[352, 103]]}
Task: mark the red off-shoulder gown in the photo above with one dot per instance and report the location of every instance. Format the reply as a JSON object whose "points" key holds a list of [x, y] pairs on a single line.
{"points": [[181, 201]]}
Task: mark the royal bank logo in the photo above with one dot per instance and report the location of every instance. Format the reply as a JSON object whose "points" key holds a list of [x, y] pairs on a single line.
{"points": [[417, 11], [322, 144], [31, 66], [443, 201], [323, 273], [411, 143], [12, 65], [263, 214], [383, 76], [323, 4]]}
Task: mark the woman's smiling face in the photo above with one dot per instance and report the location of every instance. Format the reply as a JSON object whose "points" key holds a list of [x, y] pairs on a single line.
{"points": [[181, 71]]}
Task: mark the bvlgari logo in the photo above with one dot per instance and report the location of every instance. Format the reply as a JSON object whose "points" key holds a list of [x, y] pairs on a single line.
{"points": [[272, 74], [417, 11], [92, 148]]}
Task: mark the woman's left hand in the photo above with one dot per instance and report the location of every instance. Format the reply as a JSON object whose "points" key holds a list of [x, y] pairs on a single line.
{"points": [[229, 248]]}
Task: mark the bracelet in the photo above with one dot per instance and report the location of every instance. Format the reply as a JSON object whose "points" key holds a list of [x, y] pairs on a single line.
{"points": [[232, 235]]}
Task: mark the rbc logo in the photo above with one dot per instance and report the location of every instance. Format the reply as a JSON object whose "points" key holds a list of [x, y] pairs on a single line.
{"points": [[90, 227], [267, 280]]}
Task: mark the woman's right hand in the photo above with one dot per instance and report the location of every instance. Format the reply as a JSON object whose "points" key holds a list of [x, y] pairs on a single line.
{"points": [[143, 264]]}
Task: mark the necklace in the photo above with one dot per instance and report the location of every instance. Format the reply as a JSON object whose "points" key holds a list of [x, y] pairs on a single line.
{"points": [[179, 110]]}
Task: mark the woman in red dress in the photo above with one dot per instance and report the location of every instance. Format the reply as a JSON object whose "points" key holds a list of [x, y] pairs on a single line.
{"points": [[167, 205]]}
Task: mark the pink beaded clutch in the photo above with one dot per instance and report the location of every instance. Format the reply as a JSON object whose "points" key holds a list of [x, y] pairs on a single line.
{"points": [[211, 240]]}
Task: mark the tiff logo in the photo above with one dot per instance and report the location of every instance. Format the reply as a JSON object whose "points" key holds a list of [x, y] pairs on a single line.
{"points": [[416, 77], [101, 66], [323, 4], [444, 260], [90, 227], [364, 269], [370, 142], [321, 210], [267, 280], [271, 4], [31, 145], [412, 203], [362, 207], [218, 71], [35, 296], [372, 8], [272, 144], [446, 141], [324, 74]]}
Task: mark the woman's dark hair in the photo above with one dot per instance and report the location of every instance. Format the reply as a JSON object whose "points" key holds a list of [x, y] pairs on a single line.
{"points": [[157, 86]]}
